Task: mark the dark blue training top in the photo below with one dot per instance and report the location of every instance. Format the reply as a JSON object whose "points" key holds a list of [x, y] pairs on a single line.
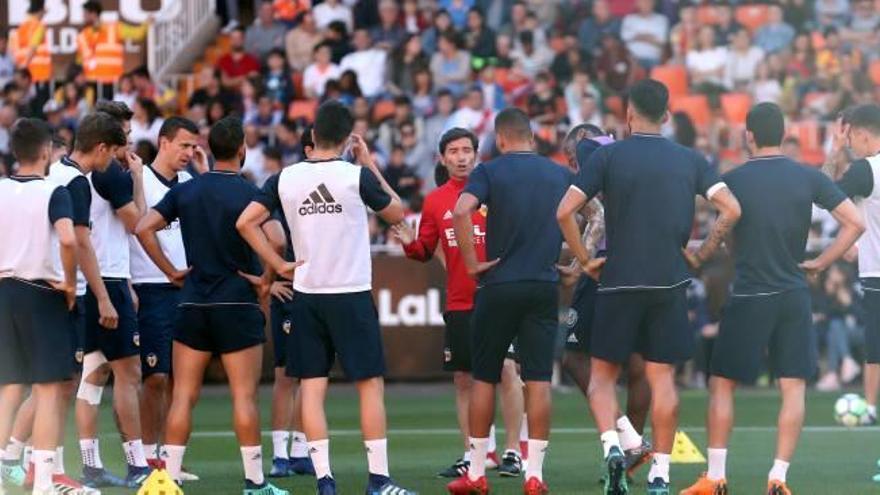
{"points": [[648, 185], [208, 208], [777, 196], [115, 185], [522, 192], [80, 195]]}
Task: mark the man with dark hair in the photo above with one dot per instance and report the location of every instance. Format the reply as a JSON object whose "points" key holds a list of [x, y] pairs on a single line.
{"points": [[325, 201], [159, 296], [769, 312], [859, 130], [37, 291], [458, 151], [219, 310], [518, 297], [116, 109], [641, 302]]}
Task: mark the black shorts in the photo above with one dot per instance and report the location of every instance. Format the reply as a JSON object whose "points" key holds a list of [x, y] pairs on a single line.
{"points": [[35, 329], [220, 328], [777, 326], [457, 341], [525, 311], [653, 323], [579, 320], [121, 342], [157, 316], [326, 326], [78, 333], [871, 302], [279, 318]]}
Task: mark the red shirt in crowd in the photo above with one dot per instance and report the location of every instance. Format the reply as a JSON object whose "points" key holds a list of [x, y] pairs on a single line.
{"points": [[245, 65], [436, 225]]}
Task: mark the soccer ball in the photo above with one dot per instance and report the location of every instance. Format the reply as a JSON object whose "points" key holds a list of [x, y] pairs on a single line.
{"points": [[850, 410]]}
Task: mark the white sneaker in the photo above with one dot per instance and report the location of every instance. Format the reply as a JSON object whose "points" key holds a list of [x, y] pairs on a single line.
{"points": [[187, 476], [849, 370], [828, 383]]}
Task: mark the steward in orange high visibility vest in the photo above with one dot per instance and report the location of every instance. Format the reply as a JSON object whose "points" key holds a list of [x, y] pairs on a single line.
{"points": [[30, 46], [99, 45]]}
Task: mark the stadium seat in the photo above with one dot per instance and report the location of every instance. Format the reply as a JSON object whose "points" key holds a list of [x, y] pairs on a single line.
{"points": [[736, 107], [874, 71], [296, 77], [695, 106], [303, 110], [809, 134], [382, 110], [675, 78], [706, 15], [752, 17]]}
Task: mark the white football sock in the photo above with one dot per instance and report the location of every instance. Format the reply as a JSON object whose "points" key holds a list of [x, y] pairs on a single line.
{"points": [[479, 449], [537, 450], [319, 451], [59, 461], [377, 456], [609, 439], [26, 456], [134, 453], [659, 467], [252, 459], [778, 471], [524, 429], [493, 446], [173, 457], [13, 450], [717, 464], [872, 410], [280, 440], [299, 446], [629, 437], [151, 451], [44, 464], [91, 453]]}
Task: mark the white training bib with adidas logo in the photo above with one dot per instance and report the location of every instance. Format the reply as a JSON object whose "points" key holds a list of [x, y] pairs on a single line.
{"points": [[31, 250], [328, 226]]}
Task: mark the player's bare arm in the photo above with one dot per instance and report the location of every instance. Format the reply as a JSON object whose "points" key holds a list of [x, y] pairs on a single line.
{"points": [[837, 158], [136, 168], [463, 224], [393, 213], [88, 263], [573, 201], [67, 244], [851, 228], [249, 225], [729, 212], [146, 233]]}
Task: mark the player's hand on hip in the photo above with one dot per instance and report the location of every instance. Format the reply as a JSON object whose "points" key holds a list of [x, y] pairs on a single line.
{"points": [[288, 268], [593, 268], [283, 291], [812, 267], [482, 267], [177, 277], [691, 259], [69, 293], [260, 285], [404, 233], [107, 316]]}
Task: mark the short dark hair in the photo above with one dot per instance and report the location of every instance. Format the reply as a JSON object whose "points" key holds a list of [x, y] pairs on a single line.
{"points": [[441, 174], [173, 124], [97, 128], [513, 122], [28, 138], [273, 153], [766, 123], [650, 99], [866, 116], [305, 139], [333, 124], [591, 130], [93, 6], [455, 134], [226, 138], [115, 109]]}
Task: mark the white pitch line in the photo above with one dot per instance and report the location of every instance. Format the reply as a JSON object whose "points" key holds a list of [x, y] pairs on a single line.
{"points": [[556, 431]]}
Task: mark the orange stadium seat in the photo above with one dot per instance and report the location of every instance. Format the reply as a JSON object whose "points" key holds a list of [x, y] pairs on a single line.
{"points": [[809, 133], [736, 107], [752, 17], [675, 78], [303, 109], [874, 71], [695, 106], [706, 14], [382, 110], [615, 105]]}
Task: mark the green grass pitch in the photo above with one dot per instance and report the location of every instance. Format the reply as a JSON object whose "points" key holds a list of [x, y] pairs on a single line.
{"points": [[422, 439]]}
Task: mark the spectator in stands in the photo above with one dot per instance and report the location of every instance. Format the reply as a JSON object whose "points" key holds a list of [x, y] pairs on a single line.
{"points": [[565, 61], [265, 118], [333, 10], [542, 102], [73, 104], [404, 62], [289, 12], [706, 65], [531, 57], [742, 61], [389, 33], [146, 122], [451, 66], [211, 89], [265, 33], [600, 22], [615, 67], [8, 116], [791, 147], [319, 72], [493, 93], [431, 37], [125, 91], [412, 19], [300, 42], [276, 78], [287, 142], [389, 130], [349, 87], [832, 13], [776, 34], [519, 23], [726, 26], [861, 30], [7, 65], [765, 87], [474, 116], [272, 160], [645, 33], [368, 62], [479, 38], [336, 36], [683, 36], [437, 123], [458, 11], [588, 111], [254, 166], [840, 329], [828, 59], [400, 176], [802, 61], [580, 86], [503, 51], [798, 13], [497, 12], [417, 154], [423, 93], [238, 64]]}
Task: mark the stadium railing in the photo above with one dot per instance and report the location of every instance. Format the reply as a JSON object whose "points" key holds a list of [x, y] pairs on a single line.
{"points": [[178, 35]]}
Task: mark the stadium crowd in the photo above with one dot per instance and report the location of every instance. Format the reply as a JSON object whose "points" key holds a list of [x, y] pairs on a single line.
{"points": [[411, 69]]}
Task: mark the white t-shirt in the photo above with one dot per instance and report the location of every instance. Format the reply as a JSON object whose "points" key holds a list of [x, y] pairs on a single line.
{"points": [[708, 60], [325, 14], [633, 25], [369, 65], [141, 132], [741, 66], [768, 90], [315, 80]]}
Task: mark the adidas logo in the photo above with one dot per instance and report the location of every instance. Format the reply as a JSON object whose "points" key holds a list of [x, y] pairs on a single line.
{"points": [[447, 215], [320, 201]]}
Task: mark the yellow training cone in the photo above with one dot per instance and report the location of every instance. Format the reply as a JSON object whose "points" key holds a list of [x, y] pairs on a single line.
{"points": [[159, 483], [684, 451]]}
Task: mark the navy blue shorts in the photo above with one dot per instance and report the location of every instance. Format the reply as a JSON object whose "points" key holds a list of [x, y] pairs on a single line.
{"points": [[220, 328], [280, 321], [776, 327], [324, 326], [871, 303], [653, 323], [35, 329], [78, 333], [579, 320], [121, 342], [157, 316], [525, 311], [457, 341]]}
